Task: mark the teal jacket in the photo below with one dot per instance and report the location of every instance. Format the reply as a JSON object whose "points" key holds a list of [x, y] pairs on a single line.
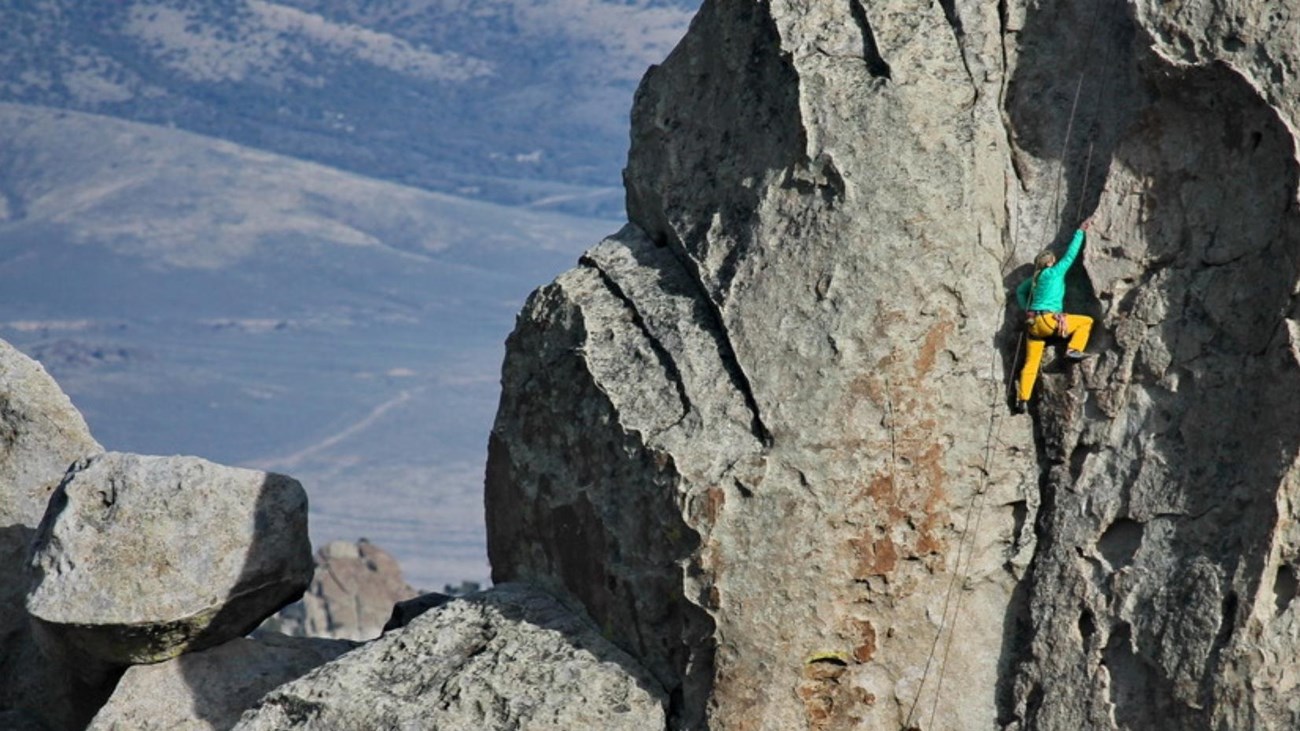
{"points": [[1048, 288]]}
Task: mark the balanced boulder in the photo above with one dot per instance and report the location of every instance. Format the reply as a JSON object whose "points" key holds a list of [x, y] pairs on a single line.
{"points": [[142, 558]]}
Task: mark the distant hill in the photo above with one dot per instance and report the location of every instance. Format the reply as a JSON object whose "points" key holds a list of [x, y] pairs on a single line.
{"points": [[510, 101], [197, 296], [294, 235]]}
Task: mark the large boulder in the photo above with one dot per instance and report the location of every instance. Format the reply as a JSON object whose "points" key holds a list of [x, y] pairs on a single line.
{"points": [[209, 689], [41, 435], [748, 430], [762, 433], [351, 596], [510, 657], [139, 559]]}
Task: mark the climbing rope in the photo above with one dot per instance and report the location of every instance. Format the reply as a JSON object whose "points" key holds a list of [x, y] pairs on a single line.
{"points": [[1069, 126], [977, 500], [1092, 135], [1012, 392], [975, 509]]}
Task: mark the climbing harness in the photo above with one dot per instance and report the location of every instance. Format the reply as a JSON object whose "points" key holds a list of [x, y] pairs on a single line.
{"points": [[1060, 325]]}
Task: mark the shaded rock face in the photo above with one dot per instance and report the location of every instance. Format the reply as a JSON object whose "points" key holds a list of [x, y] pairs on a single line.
{"points": [[405, 611], [209, 689], [351, 596], [41, 435], [141, 558], [510, 657], [762, 435]]}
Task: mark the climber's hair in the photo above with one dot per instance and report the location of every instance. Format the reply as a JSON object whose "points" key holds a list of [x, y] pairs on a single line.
{"points": [[1044, 260]]}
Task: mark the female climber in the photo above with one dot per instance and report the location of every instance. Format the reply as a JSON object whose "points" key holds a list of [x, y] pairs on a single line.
{"points": [[1042, 297]]}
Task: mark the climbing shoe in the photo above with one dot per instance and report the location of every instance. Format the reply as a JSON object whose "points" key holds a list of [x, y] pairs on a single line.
{"points": [[1019, 406], [1073, 354]]}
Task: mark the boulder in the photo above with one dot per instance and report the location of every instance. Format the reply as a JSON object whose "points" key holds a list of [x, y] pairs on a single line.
{"points": [[209, 689], [509, 657], [142, 558], [352, 594], [41, 435]]}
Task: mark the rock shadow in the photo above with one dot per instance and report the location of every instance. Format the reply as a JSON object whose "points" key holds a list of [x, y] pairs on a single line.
{"points": [[246, 604], [63, 690], [1070, 100], [596, 519], [39, 689]]}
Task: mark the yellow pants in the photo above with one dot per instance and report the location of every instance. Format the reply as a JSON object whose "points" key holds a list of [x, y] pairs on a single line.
{"points": [[1077, 329]]}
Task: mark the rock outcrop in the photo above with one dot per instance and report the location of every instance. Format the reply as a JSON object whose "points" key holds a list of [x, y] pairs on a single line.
{"points": [[41, 435], [209, 689], [510, 657], [762, 433], [139, 559], [351, 596]]}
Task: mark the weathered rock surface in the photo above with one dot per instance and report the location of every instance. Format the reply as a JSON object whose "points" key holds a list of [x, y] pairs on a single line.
{"points": [[41, 435], [141, 558], [351, 595], [209, 689], [761, 433], [511, 657]]}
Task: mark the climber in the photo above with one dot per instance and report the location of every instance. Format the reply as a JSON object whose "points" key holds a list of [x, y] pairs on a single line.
{"points": [[1042, 297]]}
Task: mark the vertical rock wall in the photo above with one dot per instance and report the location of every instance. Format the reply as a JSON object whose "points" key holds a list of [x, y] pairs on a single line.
{"points": [[1162, 591], [761, 433]]}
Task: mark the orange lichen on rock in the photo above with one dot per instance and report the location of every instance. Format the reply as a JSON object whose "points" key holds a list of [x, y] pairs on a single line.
{"points": [[865, 633], [831, 700], [876, 557]]}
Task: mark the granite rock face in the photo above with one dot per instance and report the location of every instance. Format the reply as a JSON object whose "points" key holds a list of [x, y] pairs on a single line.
{"points": [[511, 657], [351, 596], [41, 435], [762, 433], [209, 689], [139, 559], [1162, 595]]}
